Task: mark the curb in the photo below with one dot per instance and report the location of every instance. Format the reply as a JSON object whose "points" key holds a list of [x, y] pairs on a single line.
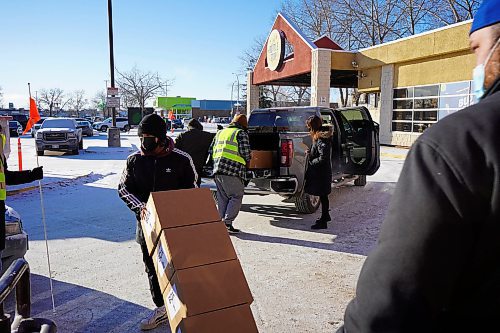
{"points": [[33, 187]]}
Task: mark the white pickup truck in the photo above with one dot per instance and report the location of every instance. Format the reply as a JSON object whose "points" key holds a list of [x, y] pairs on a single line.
{"points": [[59, 134]]}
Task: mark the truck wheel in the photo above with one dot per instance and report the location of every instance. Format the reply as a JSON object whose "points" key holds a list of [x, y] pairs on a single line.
{"points": [[80, 144], [40, 152], [360, 181], [306, 203], [126, 128], [75, 151], [104, 128]]}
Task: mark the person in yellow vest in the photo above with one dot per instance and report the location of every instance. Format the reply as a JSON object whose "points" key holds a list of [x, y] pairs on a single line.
{"points": [[8, 177], [230, 151]]}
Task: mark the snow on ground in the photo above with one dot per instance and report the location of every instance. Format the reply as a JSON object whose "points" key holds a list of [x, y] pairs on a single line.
{"points": [[301, 280]]}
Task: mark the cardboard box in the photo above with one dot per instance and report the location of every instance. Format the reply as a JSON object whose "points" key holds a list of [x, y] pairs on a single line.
{"points": [[203, 289], [191, 246], [262, 159], [170, 209], [231, 320]]}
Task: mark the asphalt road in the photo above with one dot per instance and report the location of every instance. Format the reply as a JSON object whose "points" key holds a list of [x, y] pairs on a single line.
{"points": [[301, 280]]}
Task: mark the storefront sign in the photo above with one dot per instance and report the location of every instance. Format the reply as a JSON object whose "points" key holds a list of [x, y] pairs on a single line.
{"points": [[275, 50]]}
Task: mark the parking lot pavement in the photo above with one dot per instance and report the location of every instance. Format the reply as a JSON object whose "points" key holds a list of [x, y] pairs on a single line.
{"points": [[301, 280]]}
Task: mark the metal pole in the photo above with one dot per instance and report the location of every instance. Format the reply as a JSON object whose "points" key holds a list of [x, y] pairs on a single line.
{"points": [[238, 92], [111, 54], [232, 88]]}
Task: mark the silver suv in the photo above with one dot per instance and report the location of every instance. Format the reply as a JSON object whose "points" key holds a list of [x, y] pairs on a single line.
{"points": [[59, 134]]}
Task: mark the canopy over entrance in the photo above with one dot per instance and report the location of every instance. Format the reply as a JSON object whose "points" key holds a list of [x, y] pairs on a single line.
{"points": [[289, 58]]}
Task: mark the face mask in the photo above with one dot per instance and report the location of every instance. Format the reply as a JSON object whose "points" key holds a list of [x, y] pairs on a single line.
{"points": [[149, 144], [478, 74]]}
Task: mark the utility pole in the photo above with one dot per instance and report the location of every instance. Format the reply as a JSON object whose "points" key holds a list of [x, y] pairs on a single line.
{"points": [[238, 92], [232, 88], [113, 132]]}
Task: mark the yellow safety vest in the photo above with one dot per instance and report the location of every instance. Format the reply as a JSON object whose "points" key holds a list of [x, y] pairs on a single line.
{"points": [[226, 145], [3, 189]]}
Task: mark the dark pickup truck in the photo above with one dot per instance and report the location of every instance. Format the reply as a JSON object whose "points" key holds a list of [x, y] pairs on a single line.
{"points": [[281, 132]]}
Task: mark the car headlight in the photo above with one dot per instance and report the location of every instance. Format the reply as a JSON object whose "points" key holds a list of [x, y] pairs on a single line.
{"points": [[12, 228], [39, 135], [71, 135]]}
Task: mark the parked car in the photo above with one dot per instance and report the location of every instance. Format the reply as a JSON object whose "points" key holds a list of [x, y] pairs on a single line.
{"points": [[15, 128], [59, 134], [121, 123], [177, 123], [86, 127], [16, 239], [37, 126], [21, 118]]}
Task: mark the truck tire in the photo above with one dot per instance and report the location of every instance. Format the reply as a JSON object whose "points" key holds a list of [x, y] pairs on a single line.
{"points": [[306, 203], [104, 128], [40, 152], [80, 144], [75, 151], [126, 128], [360, 181]]}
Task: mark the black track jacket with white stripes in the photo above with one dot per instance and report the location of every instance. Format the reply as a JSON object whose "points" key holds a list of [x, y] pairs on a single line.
{"points": [[172, 170]]}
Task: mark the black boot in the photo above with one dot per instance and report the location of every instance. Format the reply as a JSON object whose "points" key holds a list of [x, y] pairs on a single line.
{"points": [[319, 225]]}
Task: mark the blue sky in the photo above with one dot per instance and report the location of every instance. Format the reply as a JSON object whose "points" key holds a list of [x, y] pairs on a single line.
{"points": [[64, 43]]}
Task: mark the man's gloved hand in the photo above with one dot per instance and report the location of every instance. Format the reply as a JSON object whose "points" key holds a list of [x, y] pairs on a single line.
{"points": [[37, 173]]}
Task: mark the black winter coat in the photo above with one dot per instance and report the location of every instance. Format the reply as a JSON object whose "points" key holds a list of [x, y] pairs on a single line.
{"points": [[145, 174], [11, 178], [196, 143], [319, 170], [436, 267]]}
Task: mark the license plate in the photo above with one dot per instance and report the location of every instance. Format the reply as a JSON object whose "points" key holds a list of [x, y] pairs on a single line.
{"points": [[55, 146]]}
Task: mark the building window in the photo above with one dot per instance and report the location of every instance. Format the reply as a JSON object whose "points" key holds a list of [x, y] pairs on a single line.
{"points": [[417, 108]]}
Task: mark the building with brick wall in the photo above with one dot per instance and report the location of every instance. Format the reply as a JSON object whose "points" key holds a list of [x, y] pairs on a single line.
{"points": [[407, 84]]}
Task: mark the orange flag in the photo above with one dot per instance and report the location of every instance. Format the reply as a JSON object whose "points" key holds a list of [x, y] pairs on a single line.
{"points": [[34, 115]]}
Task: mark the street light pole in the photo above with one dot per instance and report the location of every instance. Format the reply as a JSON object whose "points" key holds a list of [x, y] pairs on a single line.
{"points": [[111, 54], [113, 132], [232, 88], [238, 92]]}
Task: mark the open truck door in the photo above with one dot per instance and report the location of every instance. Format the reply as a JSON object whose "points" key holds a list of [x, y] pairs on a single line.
{"points": [[360, 143]]}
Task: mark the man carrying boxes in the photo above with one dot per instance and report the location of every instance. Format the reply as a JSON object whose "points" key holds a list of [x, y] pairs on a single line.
{"points": [[158, 166], [199, 274]]}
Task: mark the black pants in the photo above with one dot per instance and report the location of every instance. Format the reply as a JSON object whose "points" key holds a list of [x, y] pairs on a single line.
{"points": [[325, 205], [154, 286]]}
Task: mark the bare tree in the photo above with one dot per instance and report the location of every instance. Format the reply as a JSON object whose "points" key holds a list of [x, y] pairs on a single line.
{"points": [[78, 101], [53, 98], [138, 86]]}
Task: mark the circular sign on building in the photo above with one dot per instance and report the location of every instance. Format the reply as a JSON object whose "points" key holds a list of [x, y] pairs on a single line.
{"points": [[275, 50]]}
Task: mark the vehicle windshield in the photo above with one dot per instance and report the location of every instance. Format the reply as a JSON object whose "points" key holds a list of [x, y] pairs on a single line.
{"points": [[13, 124], [83, 123], [290, 119], [58, 123]]}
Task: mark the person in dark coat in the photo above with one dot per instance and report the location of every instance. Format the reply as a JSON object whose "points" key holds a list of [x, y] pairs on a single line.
{"points": [[319, 169], [196, 142], [436, 266], [158, 166]]}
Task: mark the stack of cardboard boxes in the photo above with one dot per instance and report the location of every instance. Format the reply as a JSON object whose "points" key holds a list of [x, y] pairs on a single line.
{"points": [[201, 279]]}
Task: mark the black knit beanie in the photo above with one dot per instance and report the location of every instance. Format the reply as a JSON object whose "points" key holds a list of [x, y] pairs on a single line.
{"points": [[153, 124]]}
